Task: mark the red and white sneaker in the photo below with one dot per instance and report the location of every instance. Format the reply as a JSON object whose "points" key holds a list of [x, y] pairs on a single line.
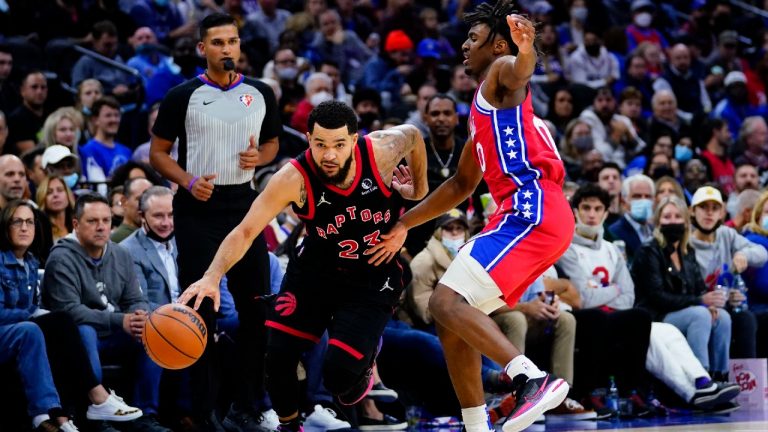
{"points": [[535, 397]]}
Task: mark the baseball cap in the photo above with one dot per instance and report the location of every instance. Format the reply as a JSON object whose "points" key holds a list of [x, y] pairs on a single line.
{"points": [[734, 77], [704, 194], [640, 4], [397, 40], [428, 49], [55, 154], [541, 7], [453, 215]]}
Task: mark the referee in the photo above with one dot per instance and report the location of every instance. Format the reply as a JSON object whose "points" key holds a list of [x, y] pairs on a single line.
{"points": [[227, 125]]}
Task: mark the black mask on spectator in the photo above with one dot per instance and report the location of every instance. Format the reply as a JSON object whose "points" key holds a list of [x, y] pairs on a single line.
{"points": [[116, 220], [738, 93], [583, 144], [592, 49], [705, 231], [662, 171], [673, 232], [156, 237]]}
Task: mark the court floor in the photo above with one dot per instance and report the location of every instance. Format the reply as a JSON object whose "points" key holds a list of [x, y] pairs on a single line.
{"points": [[738, 421]]}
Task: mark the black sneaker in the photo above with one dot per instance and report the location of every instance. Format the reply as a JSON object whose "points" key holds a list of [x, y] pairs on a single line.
{"points": [[241, 421], [382, 393], [725, 409], [359, 391], [387, 423], [196, 424], [146, 423], [535, 397], [47, 426], [102, 426], [715, 394]]}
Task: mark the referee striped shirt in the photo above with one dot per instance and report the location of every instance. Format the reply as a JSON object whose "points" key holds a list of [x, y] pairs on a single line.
{"points": [[213, 125]]}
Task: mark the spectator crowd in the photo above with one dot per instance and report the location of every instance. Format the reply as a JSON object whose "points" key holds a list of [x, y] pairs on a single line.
{"points": [[658, 110]]}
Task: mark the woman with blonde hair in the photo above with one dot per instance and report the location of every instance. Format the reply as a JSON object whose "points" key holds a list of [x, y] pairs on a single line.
{"points": [[56, 200], [668, 186], [668, 283], [757, 278], [64, 126]]}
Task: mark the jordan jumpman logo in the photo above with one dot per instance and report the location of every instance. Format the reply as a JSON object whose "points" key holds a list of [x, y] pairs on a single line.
{"points": [[386, 286], [323, 200]]}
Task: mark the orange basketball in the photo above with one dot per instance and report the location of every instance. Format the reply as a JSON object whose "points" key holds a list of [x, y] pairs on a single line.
{"points": [[174, 336]]}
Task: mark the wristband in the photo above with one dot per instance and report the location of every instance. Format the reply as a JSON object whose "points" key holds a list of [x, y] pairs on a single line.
{"points": [[192, 182]]}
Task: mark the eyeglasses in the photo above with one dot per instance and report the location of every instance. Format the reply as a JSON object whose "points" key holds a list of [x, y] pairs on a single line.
{"points": [[17, 223], [454, 228]]}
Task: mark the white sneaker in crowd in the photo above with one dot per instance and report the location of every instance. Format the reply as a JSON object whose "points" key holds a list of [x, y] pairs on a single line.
{"points": [[113, 409], [325, 419]]}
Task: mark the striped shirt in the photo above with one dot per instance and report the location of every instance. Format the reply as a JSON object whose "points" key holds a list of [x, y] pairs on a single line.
{"points": [[213, 125]]}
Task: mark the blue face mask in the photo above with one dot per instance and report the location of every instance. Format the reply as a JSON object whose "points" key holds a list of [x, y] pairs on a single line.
{"points": [[71, 180], [453, 245], [764, 223], [161, 3], [641, 210], [683, 154]]}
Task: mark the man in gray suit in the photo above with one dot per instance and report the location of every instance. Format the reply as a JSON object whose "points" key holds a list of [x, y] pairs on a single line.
{"points": [[153, 247]]}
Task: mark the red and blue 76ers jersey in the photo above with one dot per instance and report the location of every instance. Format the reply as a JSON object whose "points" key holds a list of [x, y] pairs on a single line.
{"points": [[513, 148]]}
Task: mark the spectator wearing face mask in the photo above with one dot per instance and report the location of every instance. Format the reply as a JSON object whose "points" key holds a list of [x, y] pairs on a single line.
{"points": [[319, 88], [640, 30], [735, 107], [591, 64], [635, 227]]}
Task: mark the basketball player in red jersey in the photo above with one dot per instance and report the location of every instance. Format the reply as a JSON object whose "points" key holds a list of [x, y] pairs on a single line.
{"points": [[513, 151]]}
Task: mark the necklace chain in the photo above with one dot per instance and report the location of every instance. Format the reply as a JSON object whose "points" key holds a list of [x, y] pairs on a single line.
{"points": [[439, 160]]}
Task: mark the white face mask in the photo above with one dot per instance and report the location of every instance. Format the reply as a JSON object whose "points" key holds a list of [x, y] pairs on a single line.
{"points": [[453, 244], [592, 232], [643, 19], [318, 98]]}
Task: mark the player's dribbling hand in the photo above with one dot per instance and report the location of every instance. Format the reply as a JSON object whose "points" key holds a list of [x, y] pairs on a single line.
{"points": [[250, 157], [203, 188], [402, 182], [523, 33], [390, 245], [201, 289]]}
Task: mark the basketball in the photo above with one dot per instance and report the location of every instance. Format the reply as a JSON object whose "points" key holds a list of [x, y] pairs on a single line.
{"points": [[174, 336]]}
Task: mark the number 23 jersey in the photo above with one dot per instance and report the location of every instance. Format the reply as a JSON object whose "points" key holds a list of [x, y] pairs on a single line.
{"points": [[342, 223]]}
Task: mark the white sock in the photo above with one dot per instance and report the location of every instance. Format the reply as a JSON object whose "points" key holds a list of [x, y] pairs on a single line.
{"points": [[476, 419], [523, 365], [39, 419]]}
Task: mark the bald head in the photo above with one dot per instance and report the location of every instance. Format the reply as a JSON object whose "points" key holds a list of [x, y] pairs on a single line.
{"points": [[12, 178], [664, 105], [680, 58]]}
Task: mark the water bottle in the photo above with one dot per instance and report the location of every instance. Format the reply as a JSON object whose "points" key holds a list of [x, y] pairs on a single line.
{"points": [[549, 299], [740, 286], [612, 399], [724, 281]]}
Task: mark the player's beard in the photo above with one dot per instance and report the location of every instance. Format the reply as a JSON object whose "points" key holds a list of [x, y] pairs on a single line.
{"points": [[337, 178]]}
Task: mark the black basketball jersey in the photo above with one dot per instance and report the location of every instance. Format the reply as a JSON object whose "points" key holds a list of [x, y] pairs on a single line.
{"points": [[343, 223]]}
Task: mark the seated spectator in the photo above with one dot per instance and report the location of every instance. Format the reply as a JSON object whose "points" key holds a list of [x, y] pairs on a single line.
{"points": [[367, 104], [659, 165], [58, 160], [745, 178], [32, 161], [695, 175], [668, 356], [716, 152], [661, 144], [54, 334], [757, 278], [720, 249], [613, 134], [609, 179], [753, 141], [665, 118], [93, 280], [102, 155], [631, 106], [268, 20], [163, 18], [561, 111], [549, 73], [591, 64], [132, 191], [636, 226], [636, 76], [653, 58], [386, 72], [13, 181], [63, 127], [115, 81], [318, 88], [132, 170], [88, 92], [641, 30], [149, 58], [735, 107], [576, 142], [115, 197], [341, 46], [688, 87], [667, 186], [669, 285], [25, 122], [56, 200], [745, 204]]}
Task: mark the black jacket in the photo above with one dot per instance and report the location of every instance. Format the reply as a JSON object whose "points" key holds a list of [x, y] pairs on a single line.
{"points": [[661, 289]]}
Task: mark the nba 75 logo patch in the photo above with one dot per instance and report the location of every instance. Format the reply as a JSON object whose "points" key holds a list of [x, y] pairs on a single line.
{"points": [[246, 100]]}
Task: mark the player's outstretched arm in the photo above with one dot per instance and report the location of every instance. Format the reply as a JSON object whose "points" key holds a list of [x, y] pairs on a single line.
{"points": [[284, 188], [450, 194], [514, 73]]}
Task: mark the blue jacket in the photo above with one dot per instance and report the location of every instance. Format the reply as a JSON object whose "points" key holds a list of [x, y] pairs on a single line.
{"points": [[19, 295], [621, 229], [756, 278], [150, 270]]}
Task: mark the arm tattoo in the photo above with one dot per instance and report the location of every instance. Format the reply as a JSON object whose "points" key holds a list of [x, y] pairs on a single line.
{"points": [[302, 194]]}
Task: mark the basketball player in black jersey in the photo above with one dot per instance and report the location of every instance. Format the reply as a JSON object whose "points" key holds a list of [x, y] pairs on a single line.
{"points": [[341, 187]]}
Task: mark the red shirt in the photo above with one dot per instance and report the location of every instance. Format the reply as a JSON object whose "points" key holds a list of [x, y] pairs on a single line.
{"points": [[722, 170]]}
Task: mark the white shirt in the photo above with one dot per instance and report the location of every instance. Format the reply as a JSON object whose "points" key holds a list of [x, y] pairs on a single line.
{"points": [[165, 250]]}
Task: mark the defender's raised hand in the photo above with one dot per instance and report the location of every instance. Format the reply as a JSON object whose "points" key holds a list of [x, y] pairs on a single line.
{"points": [[523, 33]]}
